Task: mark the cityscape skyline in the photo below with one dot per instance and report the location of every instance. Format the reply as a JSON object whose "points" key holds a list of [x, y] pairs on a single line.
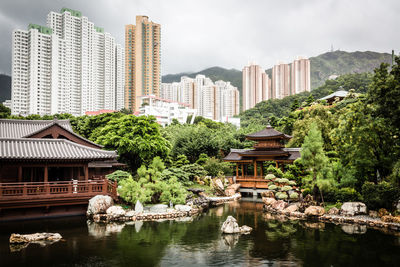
{"points": [[339, 23]]}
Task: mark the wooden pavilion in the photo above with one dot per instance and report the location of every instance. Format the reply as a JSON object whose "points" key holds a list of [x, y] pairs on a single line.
{"points": [[44, 165], [269, 146]]}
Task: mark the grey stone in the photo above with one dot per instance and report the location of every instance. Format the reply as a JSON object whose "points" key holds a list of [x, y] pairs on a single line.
{"points": [[354, 229], [17, 238], [159, 208], [353, 208], [230, 226], [115, 212], [138, 207], [99, 204], [183, 208]]}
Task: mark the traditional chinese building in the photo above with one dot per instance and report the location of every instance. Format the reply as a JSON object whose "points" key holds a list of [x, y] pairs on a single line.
{"points": [[47, 169], [269, 146]]}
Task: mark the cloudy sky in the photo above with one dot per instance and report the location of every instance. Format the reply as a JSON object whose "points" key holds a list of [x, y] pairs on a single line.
{"points": [[205, 33]]}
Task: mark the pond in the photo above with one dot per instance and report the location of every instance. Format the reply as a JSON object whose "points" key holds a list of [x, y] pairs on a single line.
{"points": [[273, 242]]}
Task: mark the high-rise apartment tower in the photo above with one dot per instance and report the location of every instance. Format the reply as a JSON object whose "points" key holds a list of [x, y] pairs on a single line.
{"points": [[142, 61], [256, 86]]}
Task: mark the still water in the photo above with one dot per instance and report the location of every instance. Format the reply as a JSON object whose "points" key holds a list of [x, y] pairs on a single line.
{"points": [[273, 242]]}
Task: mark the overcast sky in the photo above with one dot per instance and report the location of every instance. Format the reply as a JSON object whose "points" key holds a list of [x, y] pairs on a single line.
{"points": [[205, 33]]}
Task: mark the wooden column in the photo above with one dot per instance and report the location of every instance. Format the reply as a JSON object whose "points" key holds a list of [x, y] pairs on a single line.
{"points": [[46, 174], [237, 170], [277, 165], [255, 168], [242, 170], [86, 169], [19, 174]]}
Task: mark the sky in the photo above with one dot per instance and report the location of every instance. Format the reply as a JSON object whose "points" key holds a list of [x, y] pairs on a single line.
{"points": [[204, 33]]}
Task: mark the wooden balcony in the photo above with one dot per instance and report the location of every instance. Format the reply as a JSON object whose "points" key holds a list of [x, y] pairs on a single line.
{"points": [[40, 194], [257, 182]]}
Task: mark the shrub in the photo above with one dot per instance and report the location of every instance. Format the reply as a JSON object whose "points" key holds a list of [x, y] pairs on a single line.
{"points": [[270, 176], [286, 188], [276, 171], [284, 181], [272, 187], [214, 166], [131, 191], [381, 195], [281, 195], [118, 175], [347, 194], [294, 195], [292, 183], [330, 194], [307, 191]]}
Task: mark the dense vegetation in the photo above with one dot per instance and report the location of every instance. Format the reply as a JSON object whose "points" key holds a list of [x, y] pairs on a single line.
{"points": [[350, 149]]}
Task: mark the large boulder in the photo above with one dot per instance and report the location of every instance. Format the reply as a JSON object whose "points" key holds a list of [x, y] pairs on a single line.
{"points": [[353, 208], [184, 208], [138, 207], [230, 226], [159, 208], [234, 187], [314, 211], [292, 208], [279, 205], [269, 201], [115, 212], [230, 192], [99, 204], [17, 238], [334, 211], [218, 186], [269, 194]]}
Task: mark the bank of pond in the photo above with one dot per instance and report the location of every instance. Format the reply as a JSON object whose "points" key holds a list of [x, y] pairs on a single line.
{"points": [[197, 240]]}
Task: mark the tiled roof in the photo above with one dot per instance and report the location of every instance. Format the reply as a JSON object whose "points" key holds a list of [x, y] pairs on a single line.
{"points": [[49, 149], [339, 94], [268, 132], [22, 128]]}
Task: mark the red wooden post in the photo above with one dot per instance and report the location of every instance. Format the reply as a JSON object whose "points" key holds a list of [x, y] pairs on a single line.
{"points": [[237, 170], [255, 169], [105, 185], [24, 190]]}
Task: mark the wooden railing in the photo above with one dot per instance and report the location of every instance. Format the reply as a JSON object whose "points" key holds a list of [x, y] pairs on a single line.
{"points": [[251, 181], [57, 189]]}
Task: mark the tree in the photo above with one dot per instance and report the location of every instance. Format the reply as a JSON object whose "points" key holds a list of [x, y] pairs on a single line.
{"points": [[137, 139], [4, 111], [385, 92], [314, 159]]}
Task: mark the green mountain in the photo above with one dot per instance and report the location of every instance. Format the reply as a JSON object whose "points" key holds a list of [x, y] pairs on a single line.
{"points": [[322, 66], [5, 87]]}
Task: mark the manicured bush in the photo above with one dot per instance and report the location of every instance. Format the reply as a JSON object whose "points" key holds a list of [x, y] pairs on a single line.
{"points": [[286, 188], [281, 195], [292, 183], [276, 171], [118, 175], [270, 176], [294, 195], [272, 187], [347, 194], [381, 195]]}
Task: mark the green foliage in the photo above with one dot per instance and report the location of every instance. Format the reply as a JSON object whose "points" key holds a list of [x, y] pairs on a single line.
{"points": [[281, 195], [275, 171], [180, 161], [202, 159], [214, 167], [118, 175], [270, 176], [272, 187], [294, 195], [381, 195], [292, 183], [307, 191], [132, 191], [194, 171], [137, 139], [5, 112], [286, 188]]}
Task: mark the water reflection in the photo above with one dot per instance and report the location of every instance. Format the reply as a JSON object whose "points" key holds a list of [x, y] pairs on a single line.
{"points": [[275, 240]]}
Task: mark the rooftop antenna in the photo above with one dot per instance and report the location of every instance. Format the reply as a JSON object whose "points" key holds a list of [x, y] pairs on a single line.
{"points": [[392, 57]]}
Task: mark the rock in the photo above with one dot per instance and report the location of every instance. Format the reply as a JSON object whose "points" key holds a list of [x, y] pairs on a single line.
{"points": [[115, 212], [391, 219], [373, 214], [315, 225], [234, 187], [353, 208], [17, 238], [184, 208], [354, 229], [99, 204], [230, 226], [382, 212], [218, 186], [159, 208], [314, 211], [269, 194], [334, 211], [130, 213], [397, 206], [269, 201], [279, 205], [292, 208], [245, 229], [195, 190], [230, 192], [138, 207]]}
